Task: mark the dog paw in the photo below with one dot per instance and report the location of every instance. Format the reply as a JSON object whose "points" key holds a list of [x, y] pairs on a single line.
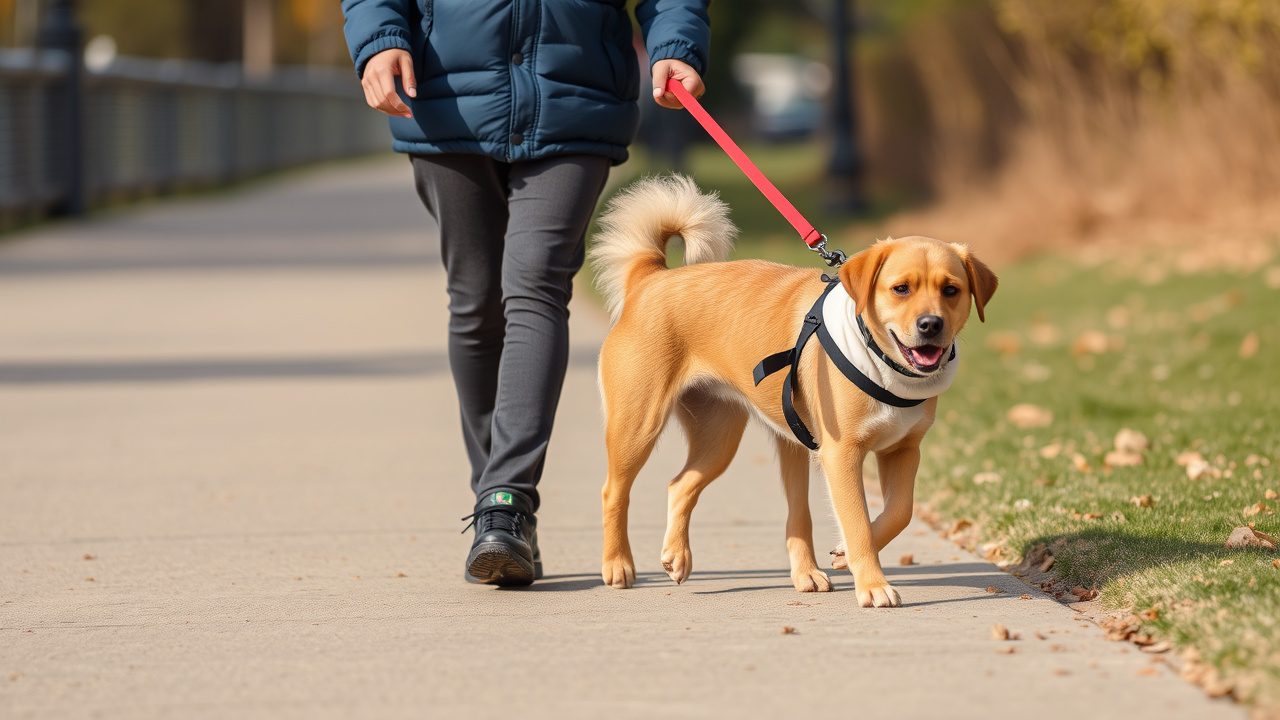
{"points": [[838, 560], [811, 581], [618, 573], [678, 562], [882, 595]]}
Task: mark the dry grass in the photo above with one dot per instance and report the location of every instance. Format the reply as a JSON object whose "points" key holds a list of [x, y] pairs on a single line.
{"points": [[1067, 124]]}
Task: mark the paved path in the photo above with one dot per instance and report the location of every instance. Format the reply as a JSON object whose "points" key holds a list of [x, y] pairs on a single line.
{"points": [[230, 484]]}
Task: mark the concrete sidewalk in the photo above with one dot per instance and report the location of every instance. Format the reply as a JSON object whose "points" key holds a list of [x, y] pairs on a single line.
{"points": [[230, 483]]}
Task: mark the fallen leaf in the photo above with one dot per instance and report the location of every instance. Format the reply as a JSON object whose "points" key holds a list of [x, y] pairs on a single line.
{"points": [[986, 478], [1197, 469], [1249, 346], [1131, 441], [1047, 564], [1150, 614], [999, 632], [1024, 596], [1161, 647], [1142, 501], [1186, 458], [788, 630], [1022, 504], [1247, 537], [907, 559], [1084, 593], [1090, 342], [1227, 562], [89, 579], [1061, 672], [1121, 458], [1051, 451], [993, 589], [401, 575], [1148, 672], [1026, 415], [1276, 563], [1258, 508], [1271, 494], [1079, 462], [90, 556], [1056, 647], [1006, 650], [1004, 342]]}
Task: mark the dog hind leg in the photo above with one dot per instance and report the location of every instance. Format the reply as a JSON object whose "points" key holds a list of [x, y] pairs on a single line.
{"points": [[638, 396], [713, 428]]}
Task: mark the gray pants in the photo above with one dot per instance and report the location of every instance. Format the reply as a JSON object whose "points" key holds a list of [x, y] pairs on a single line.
{"points": [[512, 238]]}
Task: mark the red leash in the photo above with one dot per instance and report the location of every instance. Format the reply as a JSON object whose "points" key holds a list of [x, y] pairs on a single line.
{"points": [[808, 233]]}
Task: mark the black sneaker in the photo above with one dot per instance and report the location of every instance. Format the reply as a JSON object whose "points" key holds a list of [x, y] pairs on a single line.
{"points": [[505, 551]]}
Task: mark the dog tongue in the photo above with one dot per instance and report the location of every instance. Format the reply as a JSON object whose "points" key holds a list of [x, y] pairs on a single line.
{"points": [[926, 354]]}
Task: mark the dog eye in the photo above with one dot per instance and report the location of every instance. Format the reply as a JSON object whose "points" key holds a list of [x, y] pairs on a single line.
{"points": [[950, 290], [902, 289]]}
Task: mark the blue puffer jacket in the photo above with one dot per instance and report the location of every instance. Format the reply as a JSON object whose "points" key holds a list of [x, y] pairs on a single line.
{"points": [[523, 79]]}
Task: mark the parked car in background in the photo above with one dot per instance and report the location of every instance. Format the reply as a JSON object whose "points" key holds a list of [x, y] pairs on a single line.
{"points": [[786, 93]]}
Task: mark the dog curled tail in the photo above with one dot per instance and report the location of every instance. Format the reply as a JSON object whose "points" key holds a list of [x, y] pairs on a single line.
{"points": [[638, 222]]}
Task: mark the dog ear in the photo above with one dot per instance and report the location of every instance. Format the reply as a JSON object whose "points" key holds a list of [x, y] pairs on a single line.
{"points": [[982, 282], [859, 273]]}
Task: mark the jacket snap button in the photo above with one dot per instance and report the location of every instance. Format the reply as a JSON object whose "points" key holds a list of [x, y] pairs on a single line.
{"points": [[516, 138], [517, 58]]}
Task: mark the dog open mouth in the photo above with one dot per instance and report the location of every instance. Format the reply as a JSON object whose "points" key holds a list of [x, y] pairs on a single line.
{"points": [[925, 358]]}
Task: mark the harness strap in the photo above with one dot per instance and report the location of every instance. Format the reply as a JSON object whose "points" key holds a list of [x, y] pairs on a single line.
{"points": [[791, 359], [874, 347]]}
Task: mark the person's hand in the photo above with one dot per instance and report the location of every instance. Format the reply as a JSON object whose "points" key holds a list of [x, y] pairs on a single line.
{"points": [[681, 71], [379, 82]]}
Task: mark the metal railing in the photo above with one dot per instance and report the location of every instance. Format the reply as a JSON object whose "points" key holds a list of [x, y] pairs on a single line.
{"points": [[153, 127]]}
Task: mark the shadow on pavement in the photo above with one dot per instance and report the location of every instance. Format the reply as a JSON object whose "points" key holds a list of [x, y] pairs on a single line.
{"points": [[394, 364]]}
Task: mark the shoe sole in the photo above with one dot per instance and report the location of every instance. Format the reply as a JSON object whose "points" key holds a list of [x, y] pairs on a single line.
{"points": [[495, 564]]}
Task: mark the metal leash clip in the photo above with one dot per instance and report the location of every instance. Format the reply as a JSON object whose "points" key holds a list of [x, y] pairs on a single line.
{"points": [[833, 258]]}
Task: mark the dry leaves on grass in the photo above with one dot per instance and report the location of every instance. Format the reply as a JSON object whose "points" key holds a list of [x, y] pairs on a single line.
{"points": [[1084, 594], [1129, 447], [1249, 346], [1271, 494], [1247, 537], [1258, 508], [1025, 416], [1004, 342], [1197, 467], [1142, 501], [986, 478], [1090, 342]]}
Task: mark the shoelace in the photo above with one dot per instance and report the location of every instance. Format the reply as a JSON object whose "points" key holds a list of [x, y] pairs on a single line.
{"points": [[492, 518]]}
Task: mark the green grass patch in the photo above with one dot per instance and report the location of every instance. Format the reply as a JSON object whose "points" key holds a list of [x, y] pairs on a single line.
{"points": [[1161, 354]]}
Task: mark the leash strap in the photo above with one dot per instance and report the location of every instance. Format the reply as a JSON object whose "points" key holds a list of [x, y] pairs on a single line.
{"points": [[791, 359], [807, 232]]}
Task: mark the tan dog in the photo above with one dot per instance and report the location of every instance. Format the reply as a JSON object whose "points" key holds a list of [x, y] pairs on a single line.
{"points": [[685, 340]]}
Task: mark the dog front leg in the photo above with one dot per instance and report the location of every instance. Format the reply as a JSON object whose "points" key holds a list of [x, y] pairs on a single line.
{"points": [[897, 484], [843, 468]]}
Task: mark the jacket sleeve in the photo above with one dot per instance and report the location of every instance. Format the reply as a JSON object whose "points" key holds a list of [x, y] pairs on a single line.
{"points": [[676, 29], [372, 26]]}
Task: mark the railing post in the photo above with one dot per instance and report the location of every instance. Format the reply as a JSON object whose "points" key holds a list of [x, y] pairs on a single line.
{"points": [[60, 31]]}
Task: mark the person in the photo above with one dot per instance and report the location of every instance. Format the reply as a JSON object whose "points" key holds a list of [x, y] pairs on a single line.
{"points": [[512, 112]]}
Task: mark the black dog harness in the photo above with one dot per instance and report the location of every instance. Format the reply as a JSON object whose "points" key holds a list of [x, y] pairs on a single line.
{"points": [[791, 358]]}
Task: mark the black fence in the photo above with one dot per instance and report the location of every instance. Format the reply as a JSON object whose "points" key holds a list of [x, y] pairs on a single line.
{"points": [[153, 127]]}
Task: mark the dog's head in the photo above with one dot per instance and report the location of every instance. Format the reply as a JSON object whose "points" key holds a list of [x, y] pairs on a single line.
{"points": [[913, 294]]}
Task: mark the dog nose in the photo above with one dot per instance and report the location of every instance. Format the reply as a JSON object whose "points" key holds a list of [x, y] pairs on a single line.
{"points": [[928, 325]]}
